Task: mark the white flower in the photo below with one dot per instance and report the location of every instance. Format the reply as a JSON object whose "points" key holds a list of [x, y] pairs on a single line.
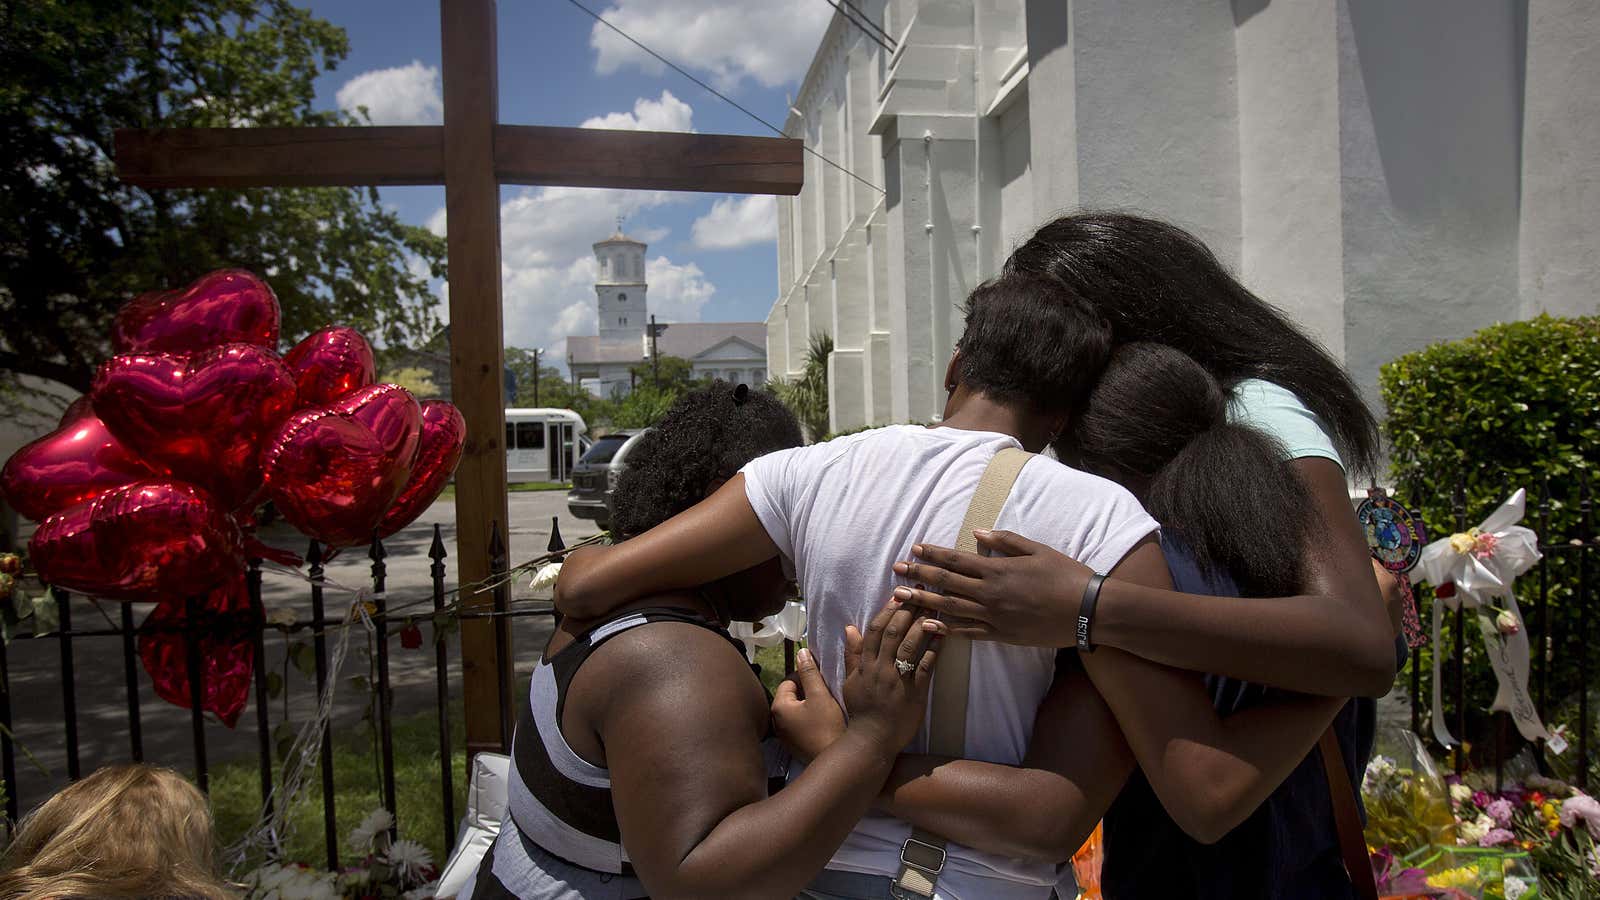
{"points": [[410, 859], [1473, 832], [1379, 771], [545, 578], [1460, 793], [377, 822], [279, 882], [1515, 887]]}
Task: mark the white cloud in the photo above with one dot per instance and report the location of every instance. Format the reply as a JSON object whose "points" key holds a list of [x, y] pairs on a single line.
{"points": [[667, 114], [770, 41], [404, 95], [547, 254], [737, 222]]}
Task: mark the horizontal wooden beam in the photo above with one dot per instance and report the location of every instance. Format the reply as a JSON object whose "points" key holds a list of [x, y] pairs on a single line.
{"points": [[648, 160], [280, 157]]}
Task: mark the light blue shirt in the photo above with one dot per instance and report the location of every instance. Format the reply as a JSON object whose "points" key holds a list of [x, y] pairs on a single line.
{"points": [[1278, 412]]}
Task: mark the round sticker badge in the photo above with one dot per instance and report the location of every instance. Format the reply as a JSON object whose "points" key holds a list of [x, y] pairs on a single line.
{"points": [[1394, 533]]}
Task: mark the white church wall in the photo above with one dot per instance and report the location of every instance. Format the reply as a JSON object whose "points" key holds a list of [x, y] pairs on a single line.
{"points": [[1052, 108], [1289, 186], [1430, 100], [1157, 113], [1560, 209]]}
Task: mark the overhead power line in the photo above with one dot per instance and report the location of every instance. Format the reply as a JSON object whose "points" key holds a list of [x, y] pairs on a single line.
{"points": [[716, 93], [864, 29], [875, 26]]}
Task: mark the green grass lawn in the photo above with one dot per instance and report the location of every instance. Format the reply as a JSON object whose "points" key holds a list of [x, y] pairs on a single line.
{"points": [[517, 487], [236, 786]]}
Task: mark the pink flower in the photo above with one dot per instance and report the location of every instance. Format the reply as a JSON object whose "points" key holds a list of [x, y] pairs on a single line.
{"points": [[1484, 544], [1500, 812], [1480, 799], [1581, 808], [1495, 837], [1507, 622]]}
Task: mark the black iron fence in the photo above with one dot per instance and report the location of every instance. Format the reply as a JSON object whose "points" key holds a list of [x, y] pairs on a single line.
{"points": [[1557, 600], [197, 626]]}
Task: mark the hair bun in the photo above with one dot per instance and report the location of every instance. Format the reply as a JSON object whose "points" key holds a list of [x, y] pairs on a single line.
{"points": [[741, 394]]}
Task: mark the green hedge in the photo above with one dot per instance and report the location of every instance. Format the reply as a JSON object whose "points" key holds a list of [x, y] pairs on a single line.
{"points": [[1508, 407]]}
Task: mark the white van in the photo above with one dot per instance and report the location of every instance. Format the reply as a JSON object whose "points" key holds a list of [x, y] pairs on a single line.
{"points": [[543, 444]]}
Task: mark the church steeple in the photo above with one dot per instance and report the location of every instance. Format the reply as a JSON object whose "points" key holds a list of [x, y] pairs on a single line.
{"points": [[620, 287]]}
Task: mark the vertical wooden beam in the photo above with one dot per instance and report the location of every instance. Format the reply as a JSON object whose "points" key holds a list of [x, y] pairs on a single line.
{"points": [[472, 204]]}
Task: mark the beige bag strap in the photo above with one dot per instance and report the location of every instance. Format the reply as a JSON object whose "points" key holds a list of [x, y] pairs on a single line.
{"points": [[922, 856], [1347, 818]]}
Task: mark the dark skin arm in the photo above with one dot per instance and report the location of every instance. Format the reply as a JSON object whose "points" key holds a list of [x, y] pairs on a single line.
{"points": [[688, 779], [1041, 810], [1209, 772], [713, 539], [1334, 639]]}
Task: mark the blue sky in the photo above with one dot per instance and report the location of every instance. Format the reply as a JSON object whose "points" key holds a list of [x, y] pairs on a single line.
{"points": [[712, 257]]}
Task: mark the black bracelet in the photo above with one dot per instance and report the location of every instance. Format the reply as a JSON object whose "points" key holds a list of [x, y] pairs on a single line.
{"points": [[1091, 596]]}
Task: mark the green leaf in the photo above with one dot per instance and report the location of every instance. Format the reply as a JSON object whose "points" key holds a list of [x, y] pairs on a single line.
{"points": [[303, 658], [46, 614], [283, 735], [274, 685]]}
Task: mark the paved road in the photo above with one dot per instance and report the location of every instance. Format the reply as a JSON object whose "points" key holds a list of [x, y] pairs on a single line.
{"points": [[102, 713]]}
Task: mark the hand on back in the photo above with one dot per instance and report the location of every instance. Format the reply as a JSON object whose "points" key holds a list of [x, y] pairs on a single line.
{"points": [[886, 705], [1028, 595]]}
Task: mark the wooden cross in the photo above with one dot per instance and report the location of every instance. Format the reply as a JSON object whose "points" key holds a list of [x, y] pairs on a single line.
{"points": [[472, 154]]}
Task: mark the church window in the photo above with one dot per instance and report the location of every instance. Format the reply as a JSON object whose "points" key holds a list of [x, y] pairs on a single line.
{"points": [[622, 298]]}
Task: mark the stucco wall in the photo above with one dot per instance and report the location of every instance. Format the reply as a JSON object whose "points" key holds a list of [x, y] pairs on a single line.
{"points": [[1560, 237], [1430, 115]]}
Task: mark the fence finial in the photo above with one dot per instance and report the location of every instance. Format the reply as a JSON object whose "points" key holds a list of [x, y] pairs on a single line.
{"points": [[556, 543]]}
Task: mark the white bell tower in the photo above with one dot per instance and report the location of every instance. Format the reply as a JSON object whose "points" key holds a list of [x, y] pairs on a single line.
{"points": [[620, 287]]}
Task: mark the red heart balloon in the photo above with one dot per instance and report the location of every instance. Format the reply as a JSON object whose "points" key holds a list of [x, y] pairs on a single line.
{"points": [[444, 434], [146, 540], [78, 461], [228, 306], [329, 364], [335, 470], [226, 652], [203, 415]]}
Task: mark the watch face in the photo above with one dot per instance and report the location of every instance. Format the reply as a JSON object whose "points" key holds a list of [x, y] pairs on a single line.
{"points": [[1394, 534]]}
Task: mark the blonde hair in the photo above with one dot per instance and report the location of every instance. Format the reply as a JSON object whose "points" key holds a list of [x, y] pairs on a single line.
{"points": [[123, 832]]}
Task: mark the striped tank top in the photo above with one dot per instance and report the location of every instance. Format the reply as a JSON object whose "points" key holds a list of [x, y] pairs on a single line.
{"points": [[560, 839]]}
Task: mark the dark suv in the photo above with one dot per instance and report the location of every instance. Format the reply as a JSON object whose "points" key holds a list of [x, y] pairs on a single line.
{"points": [[595, 476]]}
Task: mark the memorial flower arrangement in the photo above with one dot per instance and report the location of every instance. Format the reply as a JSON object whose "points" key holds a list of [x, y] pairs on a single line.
{"points": [[1459, 838], [401, 869]]}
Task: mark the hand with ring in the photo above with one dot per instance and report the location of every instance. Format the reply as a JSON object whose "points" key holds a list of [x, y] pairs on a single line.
{"points": [[887, 671]]}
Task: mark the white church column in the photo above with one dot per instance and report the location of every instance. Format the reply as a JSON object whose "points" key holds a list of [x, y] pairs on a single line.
{"points": [[847, 406], [1293, 246], [879, 386], [1560, 230], [1430, 118], [1052, 109]]}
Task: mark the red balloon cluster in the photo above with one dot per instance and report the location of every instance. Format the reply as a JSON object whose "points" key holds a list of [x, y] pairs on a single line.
{"points": [[146, 488]]}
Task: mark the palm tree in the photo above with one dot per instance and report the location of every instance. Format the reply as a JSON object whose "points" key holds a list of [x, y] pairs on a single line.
{"points": [[807, 395]]}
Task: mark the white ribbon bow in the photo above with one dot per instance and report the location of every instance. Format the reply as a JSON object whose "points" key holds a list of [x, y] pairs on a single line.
{"points": [[788, 625], [1483, 564]]}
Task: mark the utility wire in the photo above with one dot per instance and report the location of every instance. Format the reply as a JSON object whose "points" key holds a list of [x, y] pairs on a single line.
{"points": [[875, 26], [720, 95], [862, 28]]}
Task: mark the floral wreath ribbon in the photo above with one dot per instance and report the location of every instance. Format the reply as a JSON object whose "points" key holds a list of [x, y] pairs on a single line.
{"points": [[1471, 569]]}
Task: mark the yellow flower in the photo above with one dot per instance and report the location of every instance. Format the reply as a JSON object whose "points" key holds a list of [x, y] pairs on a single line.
{"points": [[1464, 542], [1459, 877]]}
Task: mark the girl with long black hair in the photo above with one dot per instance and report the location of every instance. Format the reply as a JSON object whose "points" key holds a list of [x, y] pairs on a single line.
{"points": [[1154, 282]]}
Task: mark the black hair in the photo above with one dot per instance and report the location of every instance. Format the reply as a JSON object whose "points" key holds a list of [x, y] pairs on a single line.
{"points": [[1156, 282], [1157, 424], [706, 436], [1032, 341]]}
